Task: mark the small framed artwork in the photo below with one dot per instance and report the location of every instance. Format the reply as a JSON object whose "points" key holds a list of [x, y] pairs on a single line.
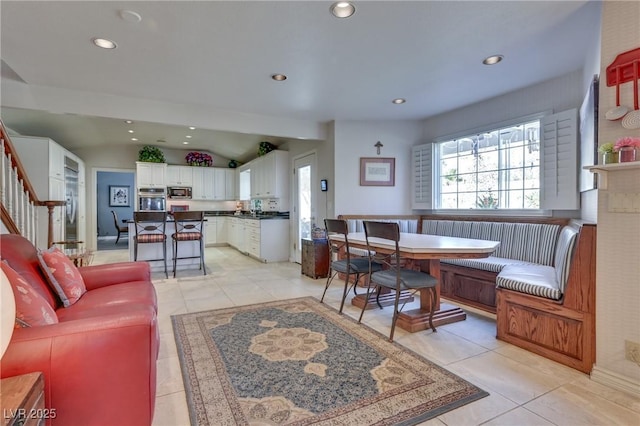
{"points": [[377, 171], [119, 196]]}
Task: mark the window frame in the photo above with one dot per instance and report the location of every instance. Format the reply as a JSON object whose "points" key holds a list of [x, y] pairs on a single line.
{"points": [[435, 171]]}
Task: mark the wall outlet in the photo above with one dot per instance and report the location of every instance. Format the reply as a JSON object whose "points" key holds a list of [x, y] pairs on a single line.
{"points": [[632, 351]]}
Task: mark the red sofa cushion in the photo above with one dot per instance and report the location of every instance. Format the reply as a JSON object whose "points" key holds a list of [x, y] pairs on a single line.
{"points": [[21, 256], [62, 275], [105, 300], [31, 308]]}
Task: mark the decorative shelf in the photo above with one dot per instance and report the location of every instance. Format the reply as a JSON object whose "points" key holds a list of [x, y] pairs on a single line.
{"points": [[602, 170]]}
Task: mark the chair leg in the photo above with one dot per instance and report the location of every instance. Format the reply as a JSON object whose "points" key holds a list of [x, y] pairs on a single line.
{"points": [[434, 297], [326, 286], [135, 250], [118, 237], [204, 268], [175, 256], [395, 315], [344, 293], [366, 298], [378, 297], [164, 256]]}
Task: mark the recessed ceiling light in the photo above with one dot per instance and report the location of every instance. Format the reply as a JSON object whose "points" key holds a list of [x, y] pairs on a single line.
{"points": [[279, 77], [128, 121], [134, 139], [130, 16], [130, 131], [399, 101], [185, 143], [104, 43], [492, 60], [188, 136], [342, 9], [192, 128]]}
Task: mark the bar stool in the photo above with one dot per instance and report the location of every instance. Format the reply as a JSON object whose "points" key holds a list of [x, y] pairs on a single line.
{"points": [[188, 228], [150, 229]]}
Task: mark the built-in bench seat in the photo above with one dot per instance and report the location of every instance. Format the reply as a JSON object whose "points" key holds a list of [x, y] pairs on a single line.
{"points": [[540, 281]]}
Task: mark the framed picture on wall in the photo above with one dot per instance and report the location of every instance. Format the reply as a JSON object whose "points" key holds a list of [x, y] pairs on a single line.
{"points": [[119, 196], [377, 171]]}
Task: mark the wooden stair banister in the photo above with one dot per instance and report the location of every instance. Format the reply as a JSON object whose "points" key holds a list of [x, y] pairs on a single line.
{"points": [[21, 188]]}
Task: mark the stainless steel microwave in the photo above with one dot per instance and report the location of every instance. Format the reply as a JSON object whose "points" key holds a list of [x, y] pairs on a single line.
{"points": [[179, 192]]}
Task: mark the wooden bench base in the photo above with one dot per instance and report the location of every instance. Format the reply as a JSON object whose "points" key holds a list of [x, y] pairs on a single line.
{"points": [[547, 328], [473, 287]]}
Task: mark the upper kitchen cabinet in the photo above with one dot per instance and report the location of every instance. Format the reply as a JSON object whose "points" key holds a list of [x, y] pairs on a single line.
{"points": [[150, 175], [203, 183], [269, 177], [179, 176], [56, 160]]}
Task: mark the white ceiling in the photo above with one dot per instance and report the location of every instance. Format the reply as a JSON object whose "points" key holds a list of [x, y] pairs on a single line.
{"points": [[220, 55]]}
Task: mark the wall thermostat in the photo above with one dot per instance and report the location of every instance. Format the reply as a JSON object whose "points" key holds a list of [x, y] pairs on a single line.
{"points": [[324, 186]]}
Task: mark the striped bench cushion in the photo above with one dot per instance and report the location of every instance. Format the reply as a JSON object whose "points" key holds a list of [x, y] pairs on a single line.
{"points": [[538, 280], [527, 242], [564, 254], [491, 263]]}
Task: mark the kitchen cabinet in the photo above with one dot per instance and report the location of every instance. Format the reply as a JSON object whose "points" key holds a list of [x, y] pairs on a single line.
{"points": [[269, 175], [219, 184], [203, 183], [222, 230], [56, 160], [265, 240], [179, 176], [231, 185], [150, 175], [210, 231], [57, 192]]}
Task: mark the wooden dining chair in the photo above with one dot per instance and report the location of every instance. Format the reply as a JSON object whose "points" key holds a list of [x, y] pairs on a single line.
{"points": [[121, 229], [394, 276], [349, 265]]}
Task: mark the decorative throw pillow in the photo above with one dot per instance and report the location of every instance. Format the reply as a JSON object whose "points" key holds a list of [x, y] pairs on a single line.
{"points": [[62, 274], [31, 308]]}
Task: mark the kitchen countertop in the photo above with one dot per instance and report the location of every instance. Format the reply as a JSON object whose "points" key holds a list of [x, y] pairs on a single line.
{"points": [[246, 215]]}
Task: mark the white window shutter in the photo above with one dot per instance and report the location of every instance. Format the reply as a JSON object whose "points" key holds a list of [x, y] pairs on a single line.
{"points": [[421, 161], [559, 165]]}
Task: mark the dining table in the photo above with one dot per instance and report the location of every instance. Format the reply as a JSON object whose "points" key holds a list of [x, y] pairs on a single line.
{"points": [[422, 252]]}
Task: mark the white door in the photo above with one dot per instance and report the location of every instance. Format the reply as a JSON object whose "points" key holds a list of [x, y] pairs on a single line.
{"points": [[303, 206]]}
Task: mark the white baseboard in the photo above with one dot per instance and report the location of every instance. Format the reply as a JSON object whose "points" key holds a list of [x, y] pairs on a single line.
{"points": [[615, 380]]}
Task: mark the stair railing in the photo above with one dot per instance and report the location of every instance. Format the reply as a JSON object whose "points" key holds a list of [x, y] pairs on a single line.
{"points": [[18, 199]]}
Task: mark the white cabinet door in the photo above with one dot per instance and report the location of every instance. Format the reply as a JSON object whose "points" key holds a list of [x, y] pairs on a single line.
{"points": [[219, 184], [209, 182], [179, 176], [82, 217], [197, 190], [269, 175], [210, 232], [231, 185], [56, 160], [150, 175], [222, 230]]}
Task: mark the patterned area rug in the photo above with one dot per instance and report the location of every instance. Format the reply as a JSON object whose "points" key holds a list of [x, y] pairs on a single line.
{"points": [[299, 362]]}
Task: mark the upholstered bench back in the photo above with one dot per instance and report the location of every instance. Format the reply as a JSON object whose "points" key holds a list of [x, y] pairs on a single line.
{"points": [[528, 242], [406, 225]]}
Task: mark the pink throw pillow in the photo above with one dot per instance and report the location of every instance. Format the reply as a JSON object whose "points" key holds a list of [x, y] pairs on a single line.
{"points": [[31, 308], [63, 275]]}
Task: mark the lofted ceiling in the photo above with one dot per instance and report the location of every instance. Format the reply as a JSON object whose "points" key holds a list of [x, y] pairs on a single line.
{"points": [[220, 56]]}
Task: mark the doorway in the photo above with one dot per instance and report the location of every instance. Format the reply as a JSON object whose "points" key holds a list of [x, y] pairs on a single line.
{"points": [[304, 211]]}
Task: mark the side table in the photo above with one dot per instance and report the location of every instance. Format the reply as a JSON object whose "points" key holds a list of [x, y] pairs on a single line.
{"points": [[22, 401], [315, 258]]}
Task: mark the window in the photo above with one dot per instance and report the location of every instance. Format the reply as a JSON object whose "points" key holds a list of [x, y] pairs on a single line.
{"points": [[498, 169], [529, 166]]}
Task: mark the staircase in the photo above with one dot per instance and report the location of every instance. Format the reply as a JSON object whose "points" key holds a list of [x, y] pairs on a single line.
{"points": [[18, 199]]}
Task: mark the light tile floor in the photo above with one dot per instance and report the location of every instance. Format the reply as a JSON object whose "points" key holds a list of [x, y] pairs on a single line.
{"points": [[525, 389]]}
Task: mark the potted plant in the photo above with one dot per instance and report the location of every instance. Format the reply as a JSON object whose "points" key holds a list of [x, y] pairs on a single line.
{"points": [[151, 154], [199, 159], [609, 156], [626, 148], [265, 148]]}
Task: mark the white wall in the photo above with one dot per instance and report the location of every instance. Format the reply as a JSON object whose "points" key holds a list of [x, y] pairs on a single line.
{"points": [[618, 250], [355, 139]]}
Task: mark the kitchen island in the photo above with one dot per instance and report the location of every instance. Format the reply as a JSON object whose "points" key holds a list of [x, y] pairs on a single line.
{"points": [[154, 251]]}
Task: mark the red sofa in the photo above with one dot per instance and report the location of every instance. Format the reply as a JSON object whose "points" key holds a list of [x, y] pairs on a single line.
{"points": [[99, 361]]}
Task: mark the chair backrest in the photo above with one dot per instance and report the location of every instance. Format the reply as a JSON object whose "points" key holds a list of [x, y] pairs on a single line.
{"points": [[387, 231], [189, 221], [337, 226], [148, 223], [119, 228]]}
